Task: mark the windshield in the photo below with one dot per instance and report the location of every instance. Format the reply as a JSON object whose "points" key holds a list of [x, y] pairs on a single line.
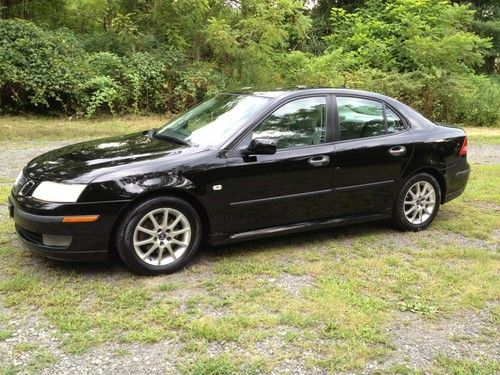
{"points": [[212, 122]]}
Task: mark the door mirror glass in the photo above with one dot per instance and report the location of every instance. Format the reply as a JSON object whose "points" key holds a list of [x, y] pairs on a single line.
{"points": [[262, 146]]}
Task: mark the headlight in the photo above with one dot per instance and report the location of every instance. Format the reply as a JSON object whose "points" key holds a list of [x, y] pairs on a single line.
{"points": [[18, 178], [57, 192]]}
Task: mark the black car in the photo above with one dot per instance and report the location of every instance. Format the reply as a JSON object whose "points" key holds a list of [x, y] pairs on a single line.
{"points": [[241, 165]]}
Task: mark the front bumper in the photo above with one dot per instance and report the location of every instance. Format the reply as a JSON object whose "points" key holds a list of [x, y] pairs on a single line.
{"points": [[87, 241]]}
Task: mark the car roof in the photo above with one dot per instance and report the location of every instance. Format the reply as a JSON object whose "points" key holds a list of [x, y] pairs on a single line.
{"points": [[282, 92]]}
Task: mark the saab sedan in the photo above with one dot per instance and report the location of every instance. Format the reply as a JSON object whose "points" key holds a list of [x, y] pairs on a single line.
{"points": [[239, 166]]}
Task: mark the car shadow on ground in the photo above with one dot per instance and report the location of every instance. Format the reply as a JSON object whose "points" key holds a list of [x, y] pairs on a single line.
{"points": [[209, 255]]}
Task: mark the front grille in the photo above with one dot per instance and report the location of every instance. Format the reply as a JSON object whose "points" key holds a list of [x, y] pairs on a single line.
{"points": [[29, 235], [27, 188]]}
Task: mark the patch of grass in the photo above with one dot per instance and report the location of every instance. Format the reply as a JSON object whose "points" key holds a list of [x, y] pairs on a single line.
{"points": [[483, 135], [122, 352], [347, 356], [223, 365], [416, 306], [476, 213], [121, 312], [168, 287], [5, 188], [495, 315], [234, 266], [8, 369], [19, 128], [22, 282], [466, 366], [400, 369], [41, 360], [24, 347], [483, 185], [212, 329], [470, 220], [291, 336], [5, 334]]}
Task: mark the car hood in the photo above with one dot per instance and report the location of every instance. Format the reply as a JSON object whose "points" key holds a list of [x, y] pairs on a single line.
{"points": [[87, 161]]}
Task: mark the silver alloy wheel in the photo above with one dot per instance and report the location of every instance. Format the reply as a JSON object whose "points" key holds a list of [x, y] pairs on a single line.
{"points": [[420, 201], [162, 236]]}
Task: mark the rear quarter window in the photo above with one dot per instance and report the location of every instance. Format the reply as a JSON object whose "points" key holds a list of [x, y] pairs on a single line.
{"points": [[394, 122]]}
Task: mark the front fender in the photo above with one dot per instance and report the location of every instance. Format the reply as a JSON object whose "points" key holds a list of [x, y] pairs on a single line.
{"points": [[130, 187]]}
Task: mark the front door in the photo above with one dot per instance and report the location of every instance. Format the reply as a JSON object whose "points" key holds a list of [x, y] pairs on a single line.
{"points": [[373, 147], [293, 185]]}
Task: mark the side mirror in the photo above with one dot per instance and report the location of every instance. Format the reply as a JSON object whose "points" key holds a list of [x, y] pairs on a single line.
{"points": [[262, 147]]}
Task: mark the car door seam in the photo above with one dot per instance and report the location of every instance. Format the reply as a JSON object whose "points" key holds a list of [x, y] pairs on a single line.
{"points": [[269, 199], [370, 184]]}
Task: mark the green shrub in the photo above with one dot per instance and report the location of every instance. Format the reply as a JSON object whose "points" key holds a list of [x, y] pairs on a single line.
{"points": [[144, 82], [476, 101], [49, 71], [167, 57], [102, 93], [39, 68], [194, 84]]}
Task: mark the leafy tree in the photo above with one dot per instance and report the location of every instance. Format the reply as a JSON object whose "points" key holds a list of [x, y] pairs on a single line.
{"points": [[321, 25], [487, 24], [409, 35], [249, 38], [88, 57]]}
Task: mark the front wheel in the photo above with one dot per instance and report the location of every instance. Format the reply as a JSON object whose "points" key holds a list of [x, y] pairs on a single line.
{"points": [[417, 203], [158, 236]]}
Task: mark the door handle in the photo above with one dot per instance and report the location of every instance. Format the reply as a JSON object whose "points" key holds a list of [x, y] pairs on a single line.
{"points": [[318, 161], [397, 151]]}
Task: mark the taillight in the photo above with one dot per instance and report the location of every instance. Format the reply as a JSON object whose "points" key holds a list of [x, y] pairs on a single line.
{"points": [[463, 149]]}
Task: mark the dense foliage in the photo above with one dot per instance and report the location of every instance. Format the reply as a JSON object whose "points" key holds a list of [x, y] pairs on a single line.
{"points": [[87, 57]]}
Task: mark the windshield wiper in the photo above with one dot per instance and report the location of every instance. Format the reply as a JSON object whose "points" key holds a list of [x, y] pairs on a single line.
{"points": [[171, 138]]}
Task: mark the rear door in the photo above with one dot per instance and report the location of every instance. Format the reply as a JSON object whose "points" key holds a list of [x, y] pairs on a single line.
{"points": [[373, 147]]}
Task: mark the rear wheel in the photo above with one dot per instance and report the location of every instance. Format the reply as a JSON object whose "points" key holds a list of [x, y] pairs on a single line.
{"points": [[158, 236], [417, 203]]}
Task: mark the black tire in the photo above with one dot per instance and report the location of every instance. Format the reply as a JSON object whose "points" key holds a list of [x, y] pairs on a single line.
{"points": [[128, 224], [399, 219]]}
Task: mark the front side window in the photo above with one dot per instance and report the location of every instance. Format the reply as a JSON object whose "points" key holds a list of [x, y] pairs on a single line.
{"points": [[301, 122], [360, 118], [214, 121]]}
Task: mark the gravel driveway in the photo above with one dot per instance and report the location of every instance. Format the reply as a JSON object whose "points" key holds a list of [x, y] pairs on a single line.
{"points": [[14, 155]]}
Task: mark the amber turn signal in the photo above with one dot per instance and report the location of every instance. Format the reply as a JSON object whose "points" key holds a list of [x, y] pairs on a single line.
{"points": [[80, 219]]}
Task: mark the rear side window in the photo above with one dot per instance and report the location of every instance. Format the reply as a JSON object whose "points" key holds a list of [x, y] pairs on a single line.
{"points": [[361, 118]]}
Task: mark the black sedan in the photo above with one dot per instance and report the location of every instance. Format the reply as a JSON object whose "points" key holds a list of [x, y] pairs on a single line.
{"points": [[241, 165]]}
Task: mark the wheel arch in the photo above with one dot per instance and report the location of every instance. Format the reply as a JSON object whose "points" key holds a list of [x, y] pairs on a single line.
{"points": [[437, 175], [171, 192]]}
